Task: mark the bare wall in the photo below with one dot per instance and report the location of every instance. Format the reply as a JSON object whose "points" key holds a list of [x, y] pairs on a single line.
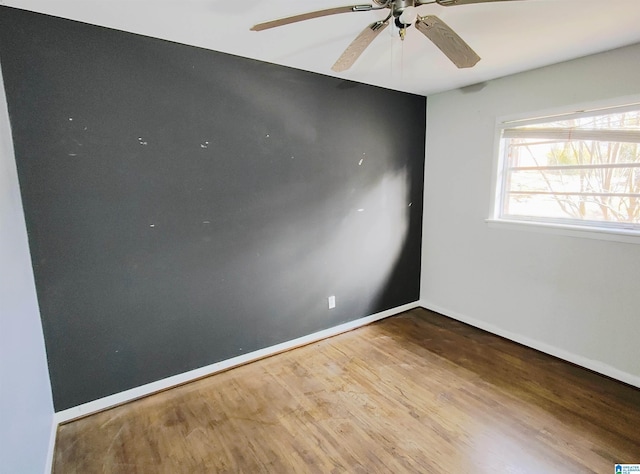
{"points": [[574, 297], [186, 206]]}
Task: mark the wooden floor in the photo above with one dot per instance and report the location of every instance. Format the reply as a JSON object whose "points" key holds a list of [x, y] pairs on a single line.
{"points": [[414, 393]]}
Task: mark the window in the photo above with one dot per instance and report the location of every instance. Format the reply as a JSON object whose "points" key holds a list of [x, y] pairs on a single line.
{"points": [[580, 169]]}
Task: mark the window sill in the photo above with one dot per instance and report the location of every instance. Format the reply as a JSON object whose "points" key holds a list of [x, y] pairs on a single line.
{"points": [[598, 233]]}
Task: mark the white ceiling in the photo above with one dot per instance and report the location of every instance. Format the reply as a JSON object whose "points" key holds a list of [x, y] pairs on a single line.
{"points": [[509, 36]]}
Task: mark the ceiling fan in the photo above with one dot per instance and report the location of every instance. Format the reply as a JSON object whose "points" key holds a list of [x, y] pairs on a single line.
{"points": [[404, 14]]}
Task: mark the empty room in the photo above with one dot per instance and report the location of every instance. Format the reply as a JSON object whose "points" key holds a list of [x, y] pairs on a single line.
{"points": [[399, 236]]}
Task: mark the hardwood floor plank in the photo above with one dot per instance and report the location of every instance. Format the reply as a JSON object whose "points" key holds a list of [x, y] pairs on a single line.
{"points": [[413, 393]]}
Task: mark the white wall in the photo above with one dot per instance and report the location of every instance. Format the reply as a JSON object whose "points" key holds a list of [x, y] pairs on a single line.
{"points": [[26, 406], [574, 297]]}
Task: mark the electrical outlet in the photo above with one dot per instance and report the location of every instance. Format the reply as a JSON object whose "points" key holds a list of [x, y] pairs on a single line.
{"points": [[332, 301]]}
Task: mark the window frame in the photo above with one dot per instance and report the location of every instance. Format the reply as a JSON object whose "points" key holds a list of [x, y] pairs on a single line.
{"points": [[602, 230]]}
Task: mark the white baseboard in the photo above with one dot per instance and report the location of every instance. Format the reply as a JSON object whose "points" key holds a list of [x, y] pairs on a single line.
{"points": [[594, 365], [160, 385], [48, 467]]}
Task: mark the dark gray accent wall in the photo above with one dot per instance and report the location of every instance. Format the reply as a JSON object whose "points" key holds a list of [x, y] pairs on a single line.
{"points": [[186, 206]]}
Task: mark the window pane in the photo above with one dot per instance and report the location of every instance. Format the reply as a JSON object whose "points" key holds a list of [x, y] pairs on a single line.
{"points": [[611, 209], [580, 169]]}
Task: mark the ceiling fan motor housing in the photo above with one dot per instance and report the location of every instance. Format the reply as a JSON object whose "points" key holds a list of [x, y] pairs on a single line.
{"points": [[400, 5]]}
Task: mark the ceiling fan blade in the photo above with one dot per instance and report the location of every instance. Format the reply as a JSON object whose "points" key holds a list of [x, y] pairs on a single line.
{"points": [[450, 3], [308, 16], [358, 45], [454, 47]]}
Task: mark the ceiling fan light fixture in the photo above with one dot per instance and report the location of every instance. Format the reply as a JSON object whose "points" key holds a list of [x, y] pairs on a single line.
{"points": [[400, 24], [408, 15]]}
